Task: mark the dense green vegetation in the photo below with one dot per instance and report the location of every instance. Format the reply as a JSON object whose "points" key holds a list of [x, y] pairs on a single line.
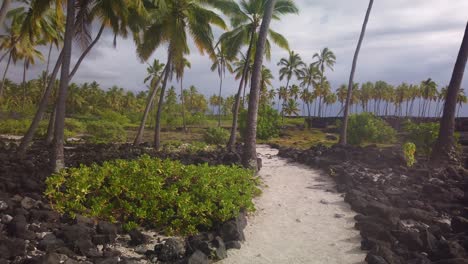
{"points": [[160, 193], [367, 128]]}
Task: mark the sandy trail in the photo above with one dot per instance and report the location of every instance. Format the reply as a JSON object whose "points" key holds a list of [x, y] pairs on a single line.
{"points": [[297, 220]]}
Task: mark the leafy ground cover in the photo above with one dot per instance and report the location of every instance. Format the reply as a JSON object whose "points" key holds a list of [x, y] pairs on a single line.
{"points": [[181, 199]]}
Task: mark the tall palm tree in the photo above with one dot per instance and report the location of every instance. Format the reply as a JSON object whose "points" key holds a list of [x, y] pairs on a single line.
{"points": [[325, 59], [58, 158], [444, 148], [221, 64], [173, 26], [155, 73], [290, 66], [344, 128], [249, 157], [179, 69], [265, 81], [246, 22], [428, 93]]}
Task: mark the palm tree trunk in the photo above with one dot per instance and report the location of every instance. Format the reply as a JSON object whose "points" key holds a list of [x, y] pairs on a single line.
{"points": [[58, 159], [41, 109], [2, 85], [25, 66], [149, 103], [87, 50], [249, 157], [219, 106], [235, 115], [445, 145], [51, 127], [184, 122], [3, 11], [344, 128], [157, 127]]}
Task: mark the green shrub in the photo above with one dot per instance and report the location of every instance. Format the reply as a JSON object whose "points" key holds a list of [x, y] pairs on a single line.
{"points": [[182, 199], [20, 127], [115, 117], [216, 136], [423, 135], [367, 128], [105, 132], [409, 149], [197, 119], [268, 122]]}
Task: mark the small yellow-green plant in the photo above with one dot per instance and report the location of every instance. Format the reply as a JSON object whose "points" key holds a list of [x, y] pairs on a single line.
{"points": [[161, 193], [409, 149]]}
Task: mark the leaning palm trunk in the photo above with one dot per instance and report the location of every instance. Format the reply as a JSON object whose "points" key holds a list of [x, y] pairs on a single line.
{"points": [[157, 127], [249, 157], [3, 11], [58, 157], [44, 101], [444, 149], [235, 114], [2, 85], [344, 128], [50, 127], [149, 104]]}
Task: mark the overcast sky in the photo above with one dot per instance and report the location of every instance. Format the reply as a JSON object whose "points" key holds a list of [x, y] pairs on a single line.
{"points": [[406, 41]]}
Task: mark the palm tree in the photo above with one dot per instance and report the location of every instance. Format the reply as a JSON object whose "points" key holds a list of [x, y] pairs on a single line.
{"points": [[173, 26], [290, 66], [344, 128], [441, 99], [329, 99], [291, 107], [444, 148], [179, 68], [221, 64], [155, 73], [246, 22], [249, 157], [266, 96], [58, 158], [325, 59], [428, 93], [283, 94]]}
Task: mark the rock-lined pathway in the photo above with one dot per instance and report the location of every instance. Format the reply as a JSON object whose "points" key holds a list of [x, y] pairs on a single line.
{"points": [[297, 219]]}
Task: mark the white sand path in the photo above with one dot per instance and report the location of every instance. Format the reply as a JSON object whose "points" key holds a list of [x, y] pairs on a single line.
{"points": [[297, 220]]}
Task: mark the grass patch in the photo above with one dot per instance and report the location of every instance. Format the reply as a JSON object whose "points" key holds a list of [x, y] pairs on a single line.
{"points": [[302, 139]]}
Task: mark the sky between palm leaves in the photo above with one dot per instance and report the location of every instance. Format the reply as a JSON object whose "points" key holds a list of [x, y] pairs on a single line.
{"points": [[406, 41]]}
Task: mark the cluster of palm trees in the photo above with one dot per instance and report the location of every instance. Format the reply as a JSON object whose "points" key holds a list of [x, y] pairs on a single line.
{"points": [[154, 24]]}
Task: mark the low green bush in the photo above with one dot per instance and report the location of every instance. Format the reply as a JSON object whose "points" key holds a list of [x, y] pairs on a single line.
{"points": [[105, 132], [268, 122], [423, 135], [367, 128], [115, 117], [409, 149], [182, 199], [20, 127], [216, 136]]}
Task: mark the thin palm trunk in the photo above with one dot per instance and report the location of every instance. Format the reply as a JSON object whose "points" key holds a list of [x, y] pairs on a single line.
{"points": [[2, 85], [157, 126], [149, 104], [41, 109], [25, 66], [184, 122], [50, 127], [344, 128], [219, 97], [235, 115], [87, 50], [58, 157], [444, 148], [249, 157]]}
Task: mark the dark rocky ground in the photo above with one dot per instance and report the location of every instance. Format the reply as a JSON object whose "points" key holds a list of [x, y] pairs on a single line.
{"points": [[31, 232], [414, 216]]}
